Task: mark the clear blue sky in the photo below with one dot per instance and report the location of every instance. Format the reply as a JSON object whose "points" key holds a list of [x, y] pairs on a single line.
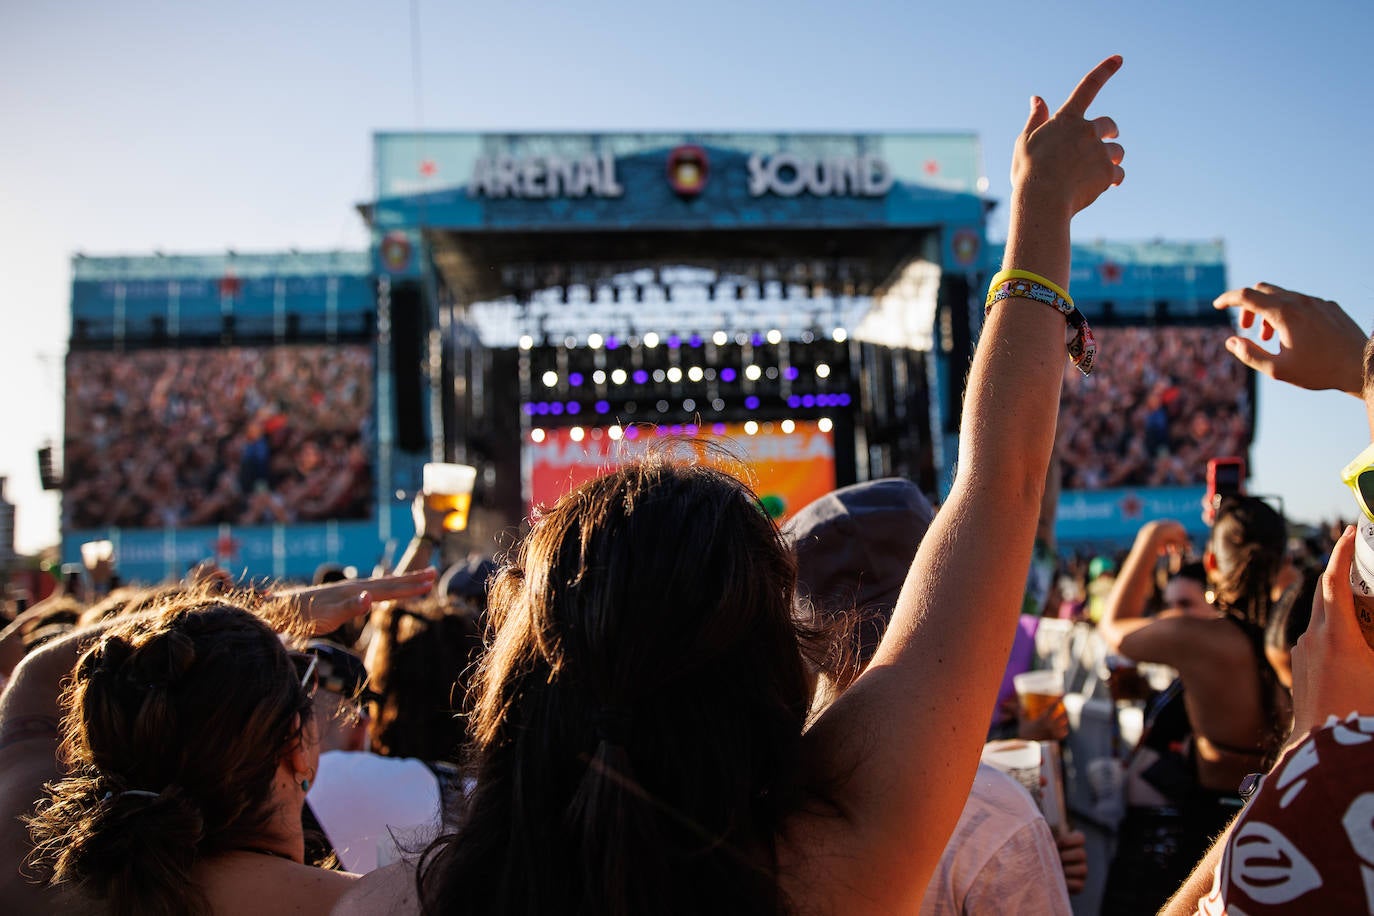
{"points": [[138, 126]]}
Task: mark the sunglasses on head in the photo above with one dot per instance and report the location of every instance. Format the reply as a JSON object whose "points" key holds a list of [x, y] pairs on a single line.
{"points": [[306, 664], [1358, 475]]}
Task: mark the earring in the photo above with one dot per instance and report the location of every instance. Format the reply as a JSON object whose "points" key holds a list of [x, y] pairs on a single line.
{"points": [[306, 782]]}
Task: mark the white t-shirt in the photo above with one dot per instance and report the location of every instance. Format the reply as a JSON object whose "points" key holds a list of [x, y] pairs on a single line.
{"points": [[366, 803], [1002, 857]]}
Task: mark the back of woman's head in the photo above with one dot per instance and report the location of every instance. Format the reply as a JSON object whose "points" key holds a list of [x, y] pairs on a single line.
{"points": [[1249, 540], [639, 713], [175, 725], [420, 659]]}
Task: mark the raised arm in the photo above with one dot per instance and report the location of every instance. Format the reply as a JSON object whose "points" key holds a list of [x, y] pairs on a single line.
{"points": [[904, 740], [1320, 346], [1123, 624]]}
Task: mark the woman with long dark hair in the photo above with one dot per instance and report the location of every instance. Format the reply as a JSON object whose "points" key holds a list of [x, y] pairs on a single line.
{"points": [[640, 741]]}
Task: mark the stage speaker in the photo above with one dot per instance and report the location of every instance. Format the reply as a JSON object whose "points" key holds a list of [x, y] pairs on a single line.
{"points": [[409, 330], [953, 307]]}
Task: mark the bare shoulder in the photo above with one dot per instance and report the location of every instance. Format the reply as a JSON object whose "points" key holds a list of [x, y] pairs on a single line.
{"points": [[244, 884], [386, 890]]}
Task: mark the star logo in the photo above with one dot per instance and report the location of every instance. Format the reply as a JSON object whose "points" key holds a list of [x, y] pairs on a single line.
{"points": [[931, 167], [1131, 506], [229, 286], [1110, 272], [428, 169]]}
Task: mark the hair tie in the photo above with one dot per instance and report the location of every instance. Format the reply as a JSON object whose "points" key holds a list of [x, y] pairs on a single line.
{"points": [[137, 793], [612, 725]]}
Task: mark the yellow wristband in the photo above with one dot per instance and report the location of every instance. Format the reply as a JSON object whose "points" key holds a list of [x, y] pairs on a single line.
{"points": [[1006, 275]]}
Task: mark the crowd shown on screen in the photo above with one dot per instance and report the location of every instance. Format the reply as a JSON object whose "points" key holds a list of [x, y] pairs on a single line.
{"points": [[241, 436]]}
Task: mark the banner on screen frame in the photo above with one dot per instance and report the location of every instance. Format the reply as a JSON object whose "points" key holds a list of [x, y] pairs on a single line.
{"points": [[786, 469]]}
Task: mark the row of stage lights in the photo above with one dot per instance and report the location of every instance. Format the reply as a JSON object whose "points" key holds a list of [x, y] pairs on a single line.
{"points": [[617, 432], [689, 405], [674, 374], [650, 340]]}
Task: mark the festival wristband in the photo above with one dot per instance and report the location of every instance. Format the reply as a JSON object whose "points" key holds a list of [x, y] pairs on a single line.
{"points": [[1005, 275], [1082, 345]]}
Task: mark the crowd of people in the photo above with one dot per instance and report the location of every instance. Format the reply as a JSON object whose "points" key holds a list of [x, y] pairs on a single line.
{"points": [[1174, 400], [239, 435], [660, 702]]}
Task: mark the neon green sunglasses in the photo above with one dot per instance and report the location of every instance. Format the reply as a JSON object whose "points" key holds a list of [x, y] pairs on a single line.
{"points": [[1358, 475]]}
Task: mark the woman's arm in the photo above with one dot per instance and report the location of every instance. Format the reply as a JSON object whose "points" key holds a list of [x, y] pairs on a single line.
{"points": [[904, 740], [1123, 624]]}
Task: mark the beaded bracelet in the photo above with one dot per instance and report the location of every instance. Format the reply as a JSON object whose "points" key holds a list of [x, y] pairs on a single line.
{"points": [[1022, 284]]}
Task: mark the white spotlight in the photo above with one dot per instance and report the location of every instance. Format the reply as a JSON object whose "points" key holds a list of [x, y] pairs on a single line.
{"points": [[788, 426], [822, 370], [577, 433], [720, 338], [651, 340], [615, 432], [695, 374], [550, 379], [840, 335], [526, 342], [824, 424], [537, 435], [599, 377], [618, 376], [775, 336], [751, 428], [594, 341], [674, 374], [752, 373]]}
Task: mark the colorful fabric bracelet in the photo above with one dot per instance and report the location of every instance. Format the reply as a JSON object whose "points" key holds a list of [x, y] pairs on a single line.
{"points": [[1022, 284]]}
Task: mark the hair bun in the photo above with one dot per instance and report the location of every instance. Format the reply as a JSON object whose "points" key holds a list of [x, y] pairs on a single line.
{"points": [[162, 660]]}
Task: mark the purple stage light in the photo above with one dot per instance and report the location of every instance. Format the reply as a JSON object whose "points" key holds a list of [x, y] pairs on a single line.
{"points": [[575, 379], [528, 407], [844, 400], [556, 408], [611, 342], [757, 340], [574, 407], [694, 340], [603, 407], [809, 400], [675, 429], [794, 401], [632, 432], [751, 402], [641, 377], [727, 374], [791, 373], [541, 408], [660, 430], [674, 341], [822, 400], [718, 428], [691, 429]]}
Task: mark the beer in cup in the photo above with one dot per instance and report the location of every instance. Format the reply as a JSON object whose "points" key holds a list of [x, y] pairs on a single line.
{"points": [[448, 488], [1038, 692]]}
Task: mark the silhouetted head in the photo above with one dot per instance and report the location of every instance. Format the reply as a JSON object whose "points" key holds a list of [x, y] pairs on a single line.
{"points": [[639, 712], [1244, 555], [176, 723]]}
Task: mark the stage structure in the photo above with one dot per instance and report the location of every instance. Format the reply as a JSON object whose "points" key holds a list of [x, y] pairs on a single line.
{"points": [[810, 297], [543, 305]]}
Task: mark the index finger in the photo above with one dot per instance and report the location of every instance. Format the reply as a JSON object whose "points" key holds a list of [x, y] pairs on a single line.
{"points": [[1260, 301], [1088, 87], [403, 586]]}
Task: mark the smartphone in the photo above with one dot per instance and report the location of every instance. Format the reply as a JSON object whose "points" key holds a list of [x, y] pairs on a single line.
{"points": [[1225, 477]]}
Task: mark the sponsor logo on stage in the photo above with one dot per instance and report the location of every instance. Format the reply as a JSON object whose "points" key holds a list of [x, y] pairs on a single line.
{"points": [[788, 175], [688, 168], [395, 251], [541, 177]]}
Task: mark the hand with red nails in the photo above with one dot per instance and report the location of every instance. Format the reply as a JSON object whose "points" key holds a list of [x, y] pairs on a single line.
{"points": [[1320, 346], [1333, 666], [1065, 160], [324, 608]]}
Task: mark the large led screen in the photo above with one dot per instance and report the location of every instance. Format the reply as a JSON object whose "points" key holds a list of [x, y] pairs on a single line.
{"points": [[237, 435], [787, 463], [1161, 402]]}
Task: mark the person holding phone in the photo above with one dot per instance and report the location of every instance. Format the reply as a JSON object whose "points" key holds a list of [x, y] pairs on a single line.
{"points": [[1225, 716]]}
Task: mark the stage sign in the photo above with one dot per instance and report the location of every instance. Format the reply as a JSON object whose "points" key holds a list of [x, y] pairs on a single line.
{"points": [[786, 469], [591, 182]]}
